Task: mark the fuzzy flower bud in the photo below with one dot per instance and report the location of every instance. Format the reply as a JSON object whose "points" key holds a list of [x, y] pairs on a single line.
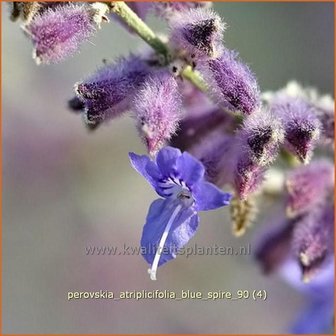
{"points": [[325, 111], [196, 33], [273, 243], [313, 241], [157, 109], [258, 143], [215, 152], [195, 101], [308, 186], [248, 176], [302, 127], [323, 105], [231, 83], [57, 32], [261, 136], [208, 137], [197, 126], [170, 8], [76, 105], [109, 91]]}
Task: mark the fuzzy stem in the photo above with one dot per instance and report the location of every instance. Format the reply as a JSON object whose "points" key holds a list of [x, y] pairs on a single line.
{"points": [[133, 21]]}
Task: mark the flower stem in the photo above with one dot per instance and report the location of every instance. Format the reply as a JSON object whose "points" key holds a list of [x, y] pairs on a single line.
{"points": [[133, 21], [194, 77]]}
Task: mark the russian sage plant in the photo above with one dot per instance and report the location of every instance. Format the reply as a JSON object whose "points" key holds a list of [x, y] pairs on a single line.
{"points": [[206, 128]]}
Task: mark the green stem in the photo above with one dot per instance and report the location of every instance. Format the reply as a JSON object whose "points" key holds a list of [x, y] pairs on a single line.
{"points": [[289, 158], [133, 21], [194, 77]]}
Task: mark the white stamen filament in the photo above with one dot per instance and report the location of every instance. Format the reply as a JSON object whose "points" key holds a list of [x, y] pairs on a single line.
{"points": [[152, 271]]}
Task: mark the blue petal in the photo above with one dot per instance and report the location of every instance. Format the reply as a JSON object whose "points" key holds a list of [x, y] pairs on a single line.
{"points": [[317, 318], [139, 163], [147, 168], [166, 160], [189, 169], [207, 196], [182, 230]]}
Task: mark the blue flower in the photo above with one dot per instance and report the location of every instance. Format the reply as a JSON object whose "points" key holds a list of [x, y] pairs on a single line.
{"points": [[173, 220], [316, 316]]}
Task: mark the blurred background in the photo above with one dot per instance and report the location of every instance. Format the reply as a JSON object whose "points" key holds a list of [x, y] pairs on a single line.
{"points": [[65, 188]]}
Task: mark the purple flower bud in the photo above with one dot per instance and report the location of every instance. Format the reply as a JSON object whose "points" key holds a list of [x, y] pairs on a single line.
{"points": [[196, 33], [261, 136], [323, 106], [248, 176], [109, 91], [326, 116], [170, 8], [325, 111], [194, 100], [308, 186], [273, 242], [231, 83], [157, 109], [215, 153], [257, 145], [208, 136], [76, 105], [313, 240], [196, 127], [302, 126], [57, 32]]}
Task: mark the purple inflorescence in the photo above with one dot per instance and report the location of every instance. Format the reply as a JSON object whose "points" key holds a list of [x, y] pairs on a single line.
{"points": [[157, 109], [183, 93], [214, 151], [231, 83], [322, 105], [325, 111], [302, 126], [110, 90], [258, 143], [273, 243], [308, 186], [170, 8], [261, 136], [313, 240], [57, 32], [248, 176], [196, 33]]}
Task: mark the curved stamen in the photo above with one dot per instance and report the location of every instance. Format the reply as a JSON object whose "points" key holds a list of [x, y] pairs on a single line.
{"points": [[152, 271]]}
